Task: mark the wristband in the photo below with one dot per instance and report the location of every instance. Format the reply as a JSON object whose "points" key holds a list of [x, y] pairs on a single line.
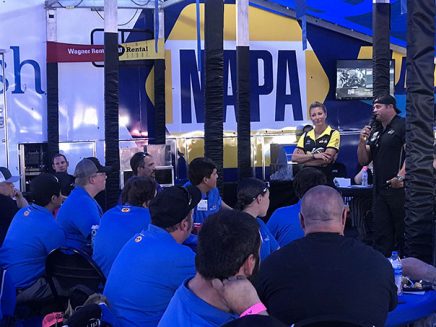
{"points": [[254, 309], [400, 178]]}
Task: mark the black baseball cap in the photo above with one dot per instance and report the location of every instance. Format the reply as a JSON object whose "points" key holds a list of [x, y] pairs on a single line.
{"points": [[43, 187], [90, 166], [173, 204], [387, 99]]}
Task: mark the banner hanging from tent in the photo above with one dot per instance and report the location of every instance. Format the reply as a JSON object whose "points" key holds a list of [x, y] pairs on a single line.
{"points": [[66, 52]]}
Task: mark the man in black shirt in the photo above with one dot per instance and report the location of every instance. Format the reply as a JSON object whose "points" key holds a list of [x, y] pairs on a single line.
{"points": [[60, 166], [325, 275], [384, 144], [11, 200]]}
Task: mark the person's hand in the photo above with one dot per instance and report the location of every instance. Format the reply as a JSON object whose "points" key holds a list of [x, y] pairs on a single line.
{"points": [[417, 269], [238, 293], [395, 183], [364, 134], [323, 156], [17, 194]]}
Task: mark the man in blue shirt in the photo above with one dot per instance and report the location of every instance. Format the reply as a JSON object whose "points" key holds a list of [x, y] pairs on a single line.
{"points": [[33, 234], [122, 222], [80, 211], [284, 223], [228, 246], [154, 262], [203, 174]]}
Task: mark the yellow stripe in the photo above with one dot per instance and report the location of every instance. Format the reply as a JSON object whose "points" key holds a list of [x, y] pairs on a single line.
{"points": [[263, 25]]}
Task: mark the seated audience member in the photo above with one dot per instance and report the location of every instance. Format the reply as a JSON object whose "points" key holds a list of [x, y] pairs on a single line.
{"points": [[419, 270], [143, 165], [11, 200], [60, 166], [284, 223], [229, 244], [324, 274], [80, 211], [253, 198], [152, 264], [120, 223], [202, 173], [33, 234]]}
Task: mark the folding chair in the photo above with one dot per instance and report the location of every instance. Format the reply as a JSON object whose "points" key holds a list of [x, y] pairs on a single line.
{"points": [[67, 268]]}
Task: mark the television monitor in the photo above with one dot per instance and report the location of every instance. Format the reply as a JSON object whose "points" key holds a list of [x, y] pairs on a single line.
{"points": [[354, 79], [164, 175]]}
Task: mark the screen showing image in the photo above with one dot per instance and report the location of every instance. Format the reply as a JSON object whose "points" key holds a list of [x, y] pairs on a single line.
{"points": [[354, 79]]}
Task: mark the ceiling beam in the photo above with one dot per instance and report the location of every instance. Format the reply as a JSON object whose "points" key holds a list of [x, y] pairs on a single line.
{"points": [[285, 11]]}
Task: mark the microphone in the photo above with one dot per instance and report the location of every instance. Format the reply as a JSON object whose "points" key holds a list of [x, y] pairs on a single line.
{"points": [[373, 124]]}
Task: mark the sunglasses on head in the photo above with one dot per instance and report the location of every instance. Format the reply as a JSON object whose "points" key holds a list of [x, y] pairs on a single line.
{"points": [[264, 190]]}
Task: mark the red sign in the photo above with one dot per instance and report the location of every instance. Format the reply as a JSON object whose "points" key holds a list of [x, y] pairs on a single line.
{"points": [[64, 52]]}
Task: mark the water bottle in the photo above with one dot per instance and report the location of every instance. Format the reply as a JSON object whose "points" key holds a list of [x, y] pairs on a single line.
{"points": [[365, 176], [398, 271]]}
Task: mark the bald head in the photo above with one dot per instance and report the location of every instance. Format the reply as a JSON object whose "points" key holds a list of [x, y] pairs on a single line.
{"points": [[322, 210]]}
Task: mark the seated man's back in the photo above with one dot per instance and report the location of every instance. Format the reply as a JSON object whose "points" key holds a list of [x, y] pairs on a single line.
{"points": [[33, 234], [326, 274], [117, 226], [153, 264]]}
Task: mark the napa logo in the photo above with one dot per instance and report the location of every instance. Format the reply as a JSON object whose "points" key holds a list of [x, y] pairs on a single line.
{"points": [[284, 79]]}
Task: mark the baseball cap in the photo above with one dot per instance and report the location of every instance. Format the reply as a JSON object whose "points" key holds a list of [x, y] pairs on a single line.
{"points": [[387, 99], [173, 204], [6, 176], [90, 166], [43, 187]]}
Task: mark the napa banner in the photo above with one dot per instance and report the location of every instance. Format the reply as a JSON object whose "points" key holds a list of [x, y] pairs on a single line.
{"points": [[284, 79]]}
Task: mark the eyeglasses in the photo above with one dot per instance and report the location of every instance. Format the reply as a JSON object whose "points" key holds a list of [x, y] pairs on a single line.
{"points": [[266, 188]]}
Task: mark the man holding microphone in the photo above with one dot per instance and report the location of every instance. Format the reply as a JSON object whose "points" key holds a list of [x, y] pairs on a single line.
{"points": [[384, 144]]}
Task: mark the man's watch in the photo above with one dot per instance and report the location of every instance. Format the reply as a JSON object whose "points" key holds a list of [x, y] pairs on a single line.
{"points": [[400, 178]]}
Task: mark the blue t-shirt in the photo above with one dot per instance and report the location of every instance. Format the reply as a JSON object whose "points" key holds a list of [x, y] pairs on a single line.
{"points": [[213, 199], [145, 275], [76, 216], [117, 226], [269, 243], [33, 234], [284, 224], [187, 310]]}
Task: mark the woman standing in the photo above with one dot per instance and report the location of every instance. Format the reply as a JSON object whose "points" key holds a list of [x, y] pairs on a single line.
{"points": [[318, 147], [253, 198]]}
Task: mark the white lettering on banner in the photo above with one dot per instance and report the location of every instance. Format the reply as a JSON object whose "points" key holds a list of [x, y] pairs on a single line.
{"points": [[78, 52]]}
